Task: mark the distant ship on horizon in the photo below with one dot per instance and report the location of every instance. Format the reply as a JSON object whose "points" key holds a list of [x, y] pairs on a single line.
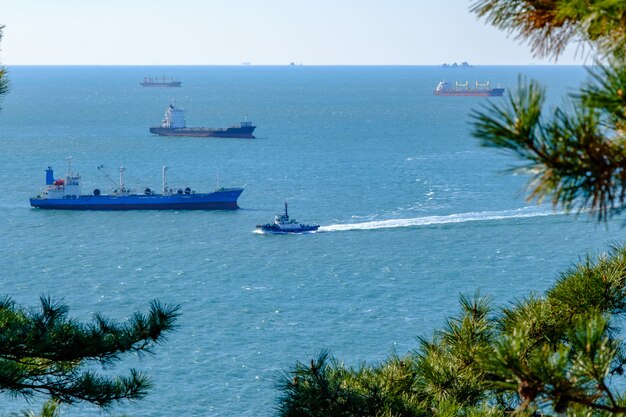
{"points": [[174, 124], [444, 88], [160, 82], [463, 64]]}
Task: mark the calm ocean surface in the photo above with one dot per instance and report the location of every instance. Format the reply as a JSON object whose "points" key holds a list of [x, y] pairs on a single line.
{"points": [[413, 211]]}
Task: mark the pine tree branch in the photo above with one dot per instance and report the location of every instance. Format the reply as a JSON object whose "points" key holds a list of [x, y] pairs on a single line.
{"points": [[577, 156], [4, 81], [549, 26], [45, 351]]}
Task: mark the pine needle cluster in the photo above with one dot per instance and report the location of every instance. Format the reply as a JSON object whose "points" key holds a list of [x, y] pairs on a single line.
{"points": [[550, 25], [560, 353], [4, 81], [564, 350], [575, 154], [45, 352]]}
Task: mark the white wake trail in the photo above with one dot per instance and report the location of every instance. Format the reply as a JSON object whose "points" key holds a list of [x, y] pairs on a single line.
{"points": [[451, 218]]}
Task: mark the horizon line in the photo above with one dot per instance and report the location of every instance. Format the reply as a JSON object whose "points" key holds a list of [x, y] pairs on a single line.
{"points": [[298, 65]]}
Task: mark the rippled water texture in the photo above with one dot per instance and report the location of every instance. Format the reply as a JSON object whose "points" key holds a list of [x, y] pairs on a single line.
{"points": [[413, 213]]}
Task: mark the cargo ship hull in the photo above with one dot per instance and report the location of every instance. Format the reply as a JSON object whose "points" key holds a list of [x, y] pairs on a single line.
{"points": [[157, 84], [231, 132], [223, 199], [494, 92], [160, 82]]}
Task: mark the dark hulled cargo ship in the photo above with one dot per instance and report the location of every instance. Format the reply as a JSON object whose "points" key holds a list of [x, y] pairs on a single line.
{"points": [[159, 82], [174, 124]]}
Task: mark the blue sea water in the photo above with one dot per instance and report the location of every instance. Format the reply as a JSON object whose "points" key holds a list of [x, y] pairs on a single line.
{"points": [[413, 212]]}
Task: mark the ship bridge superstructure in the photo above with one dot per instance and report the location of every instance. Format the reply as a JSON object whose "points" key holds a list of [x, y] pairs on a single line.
{"points": [[67, 187], [174, 118]]}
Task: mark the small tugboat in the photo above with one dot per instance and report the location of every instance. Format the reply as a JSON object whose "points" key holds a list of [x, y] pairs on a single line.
{"points": [[65, 194], [283, 224]]}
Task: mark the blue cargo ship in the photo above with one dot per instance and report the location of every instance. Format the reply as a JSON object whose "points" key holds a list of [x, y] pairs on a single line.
{"points": [[65, 194]]}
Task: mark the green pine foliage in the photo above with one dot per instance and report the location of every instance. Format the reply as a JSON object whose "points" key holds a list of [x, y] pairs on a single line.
{"points": [[446, 364], [4, 81], [560, 353], [45, 352], [550, 25], [563, 351], [440, 378], [49, 409], [575, 154]]}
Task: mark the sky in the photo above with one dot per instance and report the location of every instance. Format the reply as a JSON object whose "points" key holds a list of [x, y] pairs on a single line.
{"points": [[261, 32]]}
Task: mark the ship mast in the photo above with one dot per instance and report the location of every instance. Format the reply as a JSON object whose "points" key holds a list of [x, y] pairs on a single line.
{"points": [[69, 167], [164, 180], [122, 169]]}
